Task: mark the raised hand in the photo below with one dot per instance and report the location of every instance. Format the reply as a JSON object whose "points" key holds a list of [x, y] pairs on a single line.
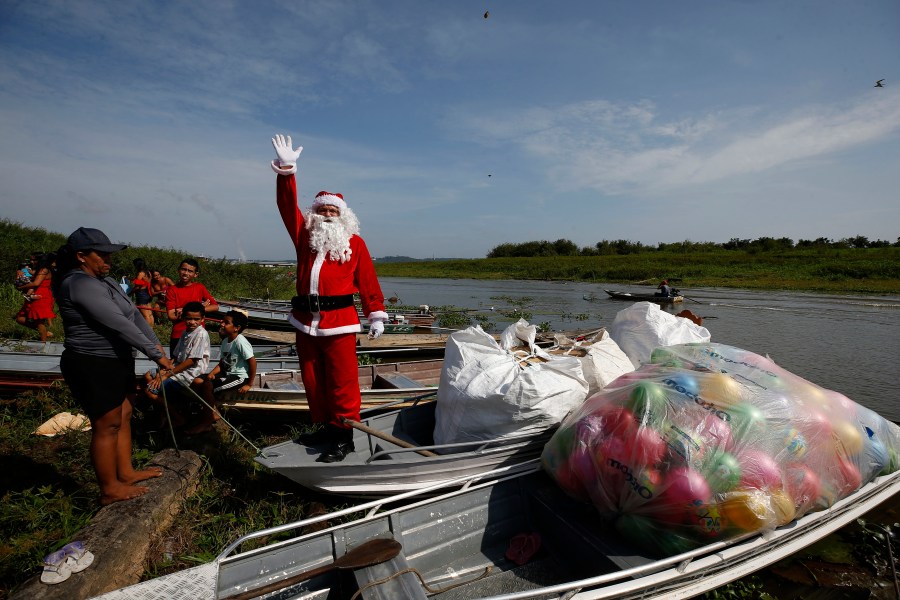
{"points": [[287, 156]]}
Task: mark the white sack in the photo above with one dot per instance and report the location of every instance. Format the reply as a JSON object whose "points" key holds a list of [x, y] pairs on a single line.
{"points": [[602, 361], [487, 391], [643, 327]]}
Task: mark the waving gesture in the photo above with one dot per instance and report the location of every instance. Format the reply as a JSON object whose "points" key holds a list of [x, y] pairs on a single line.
{"points": [[287, 156]]}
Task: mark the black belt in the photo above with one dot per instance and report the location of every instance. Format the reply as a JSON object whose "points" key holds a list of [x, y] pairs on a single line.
{"points": [[316, 303]]}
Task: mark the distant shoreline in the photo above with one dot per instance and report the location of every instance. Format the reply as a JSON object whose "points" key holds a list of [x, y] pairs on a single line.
{"points": [[858, 271]]}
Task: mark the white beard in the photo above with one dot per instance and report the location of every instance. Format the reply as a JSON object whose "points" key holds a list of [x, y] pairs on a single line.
{"points": [[331, 235]]}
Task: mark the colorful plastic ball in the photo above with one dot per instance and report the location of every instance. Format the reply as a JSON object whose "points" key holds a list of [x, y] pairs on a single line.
{"points": [[582, 465], [850, 475], [648, 401], [795, 443], [636, 527], [815, 426], [684, 382], [747, 510], [614, 420], [562, 441], [569, 482], [874, 457], [709, 521], [892, 462], [716, 432], [783, 506], [649, 446], [748, 422], [813, 393], [723, 472], [684, 488], [665, 357], [848, 438], [720, 389], [759, 470], [804, 486], [674, 543]]}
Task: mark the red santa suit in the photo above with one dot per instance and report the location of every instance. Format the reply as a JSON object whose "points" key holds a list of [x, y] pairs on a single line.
{"points": [[326, 338]]}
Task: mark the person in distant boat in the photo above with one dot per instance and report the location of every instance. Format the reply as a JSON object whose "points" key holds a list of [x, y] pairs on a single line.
{"points": [[102, 328], [186, 290], [333, 263], [664, 290]]}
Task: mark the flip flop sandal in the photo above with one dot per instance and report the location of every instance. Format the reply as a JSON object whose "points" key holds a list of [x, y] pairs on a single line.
{"points": [[77, 556], [56, 567], [522, 547]]}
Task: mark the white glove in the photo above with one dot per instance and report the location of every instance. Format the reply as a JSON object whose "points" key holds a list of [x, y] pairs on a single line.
{"points": [[376, 328], [287, 156]]}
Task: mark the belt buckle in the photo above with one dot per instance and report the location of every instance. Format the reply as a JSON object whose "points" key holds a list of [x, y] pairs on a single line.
{"points": [[314, 303]]}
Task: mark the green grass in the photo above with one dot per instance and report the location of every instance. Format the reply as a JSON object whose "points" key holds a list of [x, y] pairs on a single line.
{"points": [[866, 270], [50, 493]]}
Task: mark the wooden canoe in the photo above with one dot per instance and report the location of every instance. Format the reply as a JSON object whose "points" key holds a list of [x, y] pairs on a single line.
{"points": [[644, 297]]}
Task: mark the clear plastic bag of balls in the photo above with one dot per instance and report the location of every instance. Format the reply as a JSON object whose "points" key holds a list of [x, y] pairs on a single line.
{"points": [[710, 442]]}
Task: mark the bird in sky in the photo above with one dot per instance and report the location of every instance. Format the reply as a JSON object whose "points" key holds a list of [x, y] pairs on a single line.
{"points": [[487, 13], [879, 84]]}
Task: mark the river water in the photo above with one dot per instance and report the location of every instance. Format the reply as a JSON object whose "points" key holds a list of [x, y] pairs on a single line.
{"points": [[847, 343]]}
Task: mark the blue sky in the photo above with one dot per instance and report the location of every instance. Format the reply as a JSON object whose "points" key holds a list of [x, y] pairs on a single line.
{"points": [[449, 133]]}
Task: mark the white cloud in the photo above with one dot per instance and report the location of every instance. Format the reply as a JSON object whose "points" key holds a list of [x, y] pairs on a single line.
{"points": [[618, 148]]}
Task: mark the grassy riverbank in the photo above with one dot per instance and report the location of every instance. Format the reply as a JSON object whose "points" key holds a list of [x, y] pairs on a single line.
{"points": [[48, 490], [863, 270]]}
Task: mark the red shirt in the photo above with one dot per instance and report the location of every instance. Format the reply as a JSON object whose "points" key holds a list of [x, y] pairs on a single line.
{"points": [[178, 295]]}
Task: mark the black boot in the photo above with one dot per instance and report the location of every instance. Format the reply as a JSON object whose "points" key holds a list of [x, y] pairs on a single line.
{"points": [[342, 446], [327, 434]]}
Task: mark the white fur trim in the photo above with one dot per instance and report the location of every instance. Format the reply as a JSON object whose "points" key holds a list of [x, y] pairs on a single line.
{"points": [[329, 200], [378, 315], [356, 328], [283, 169]]}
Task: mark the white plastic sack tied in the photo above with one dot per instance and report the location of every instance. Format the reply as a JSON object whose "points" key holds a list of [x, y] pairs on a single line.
{"points": [[602, 361], [643, 327], [492, 391]]}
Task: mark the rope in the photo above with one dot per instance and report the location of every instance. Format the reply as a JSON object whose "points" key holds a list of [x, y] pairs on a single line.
{"points": [[224, 420], [169, 417], [428, 588]]}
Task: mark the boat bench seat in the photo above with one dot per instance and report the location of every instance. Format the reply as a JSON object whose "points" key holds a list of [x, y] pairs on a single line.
{"points": [[406, 586], [396, 381]]}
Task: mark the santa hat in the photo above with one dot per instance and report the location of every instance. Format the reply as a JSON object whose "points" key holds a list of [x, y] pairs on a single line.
{"points": [[329, 199]]}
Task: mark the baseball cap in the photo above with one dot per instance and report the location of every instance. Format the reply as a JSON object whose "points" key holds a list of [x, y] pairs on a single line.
{"points": [[86, 238]]}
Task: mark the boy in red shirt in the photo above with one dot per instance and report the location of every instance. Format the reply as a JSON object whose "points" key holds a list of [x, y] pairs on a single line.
{"points": [[184, 291]]}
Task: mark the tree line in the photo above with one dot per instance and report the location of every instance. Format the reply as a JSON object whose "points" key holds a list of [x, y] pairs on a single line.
{"points": [[564, 247]]}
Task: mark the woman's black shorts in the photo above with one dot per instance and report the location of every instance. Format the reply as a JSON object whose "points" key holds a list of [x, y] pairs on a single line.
{"points": [[98, 383]]}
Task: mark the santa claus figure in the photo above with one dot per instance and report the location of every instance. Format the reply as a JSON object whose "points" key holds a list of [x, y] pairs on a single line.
{"points": [[333, 264]]}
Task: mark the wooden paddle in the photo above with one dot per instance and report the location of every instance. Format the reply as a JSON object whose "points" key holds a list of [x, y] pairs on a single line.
{"points": [[385, 436], [367, 554]]}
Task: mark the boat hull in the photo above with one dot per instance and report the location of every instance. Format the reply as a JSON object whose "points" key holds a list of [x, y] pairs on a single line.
{"points": [[378, 467], [461, 539], [644, 297]]}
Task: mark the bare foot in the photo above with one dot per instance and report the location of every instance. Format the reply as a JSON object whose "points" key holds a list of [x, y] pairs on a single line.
{"points": [[120, 494], [136, 476]]}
